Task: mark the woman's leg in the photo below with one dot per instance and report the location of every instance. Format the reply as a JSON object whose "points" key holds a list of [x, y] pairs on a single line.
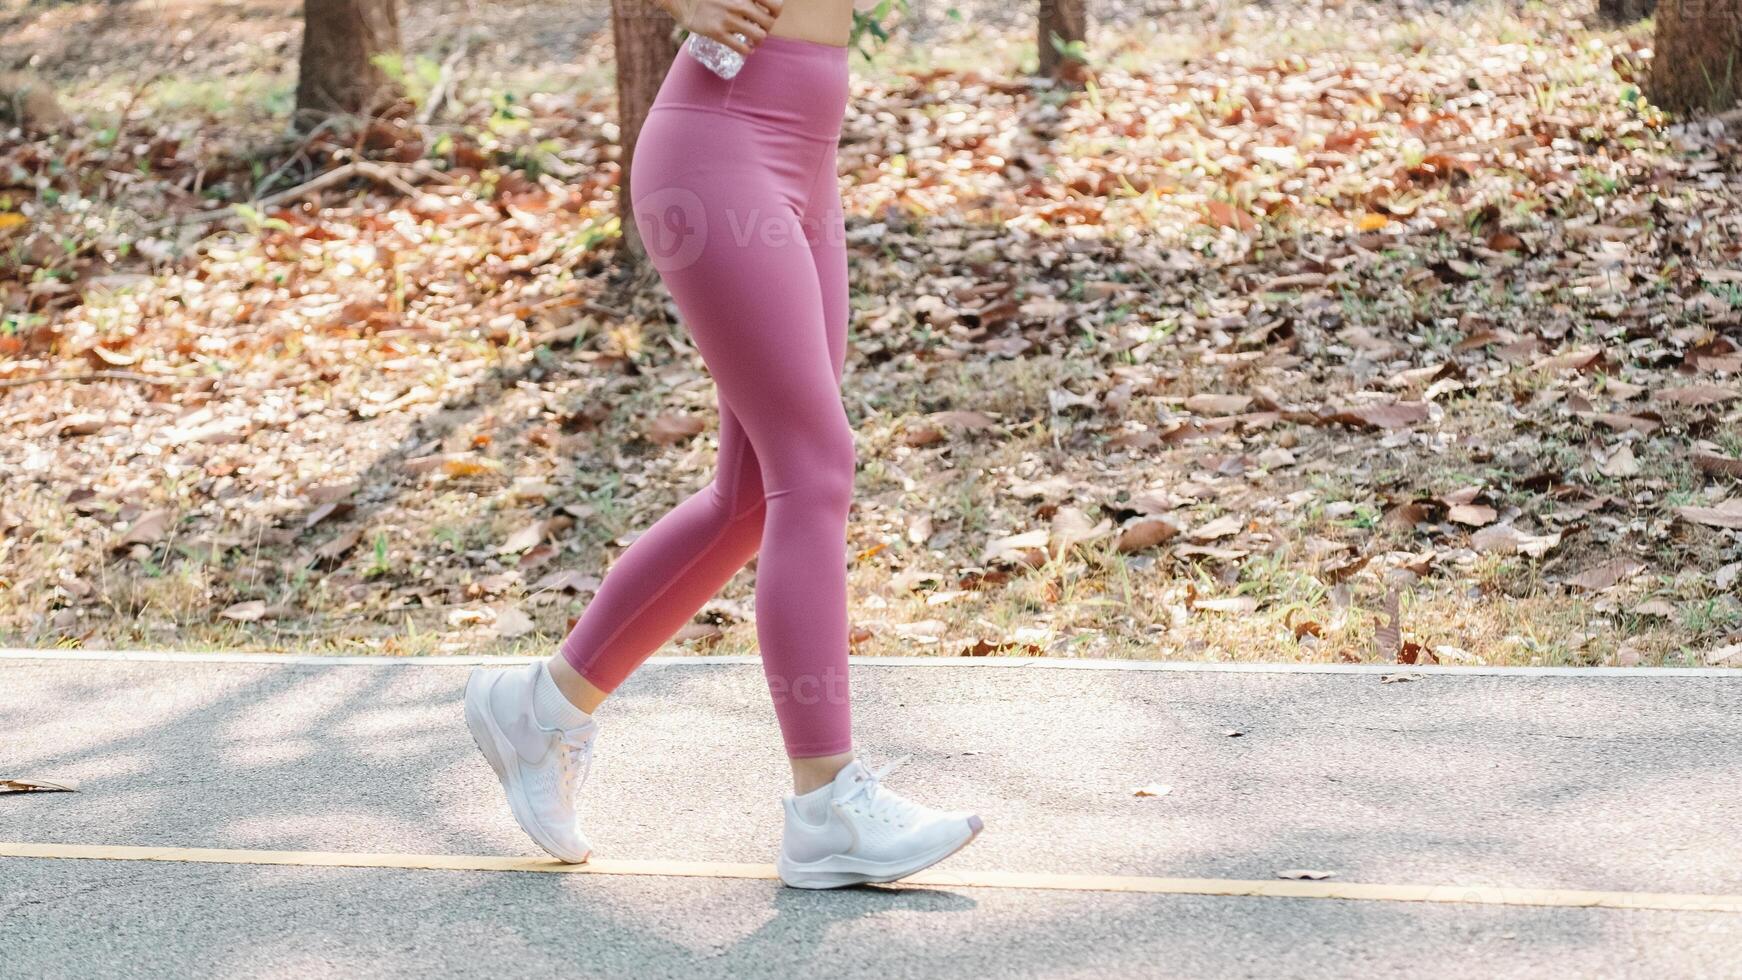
{"points": [[748, 289], [672, 569], [826, 235], [667, 574], [842, 826], [729, 238]]}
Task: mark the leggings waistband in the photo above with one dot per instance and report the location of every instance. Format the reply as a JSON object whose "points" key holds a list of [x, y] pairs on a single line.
{"points": [[789, 84]]}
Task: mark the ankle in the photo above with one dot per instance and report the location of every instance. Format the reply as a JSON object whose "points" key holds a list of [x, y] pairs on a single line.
{"points": [[551, 707], [811, 774], [579, 691]]}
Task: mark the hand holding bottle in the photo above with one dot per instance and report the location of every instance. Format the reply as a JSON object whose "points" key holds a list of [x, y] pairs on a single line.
{"points": [[739, 25]]}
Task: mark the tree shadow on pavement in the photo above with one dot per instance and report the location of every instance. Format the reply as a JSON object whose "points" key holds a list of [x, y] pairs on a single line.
{"points": [[1472, 781]]}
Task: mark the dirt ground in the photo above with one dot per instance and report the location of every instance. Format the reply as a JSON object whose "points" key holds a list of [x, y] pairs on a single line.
{"points": [[1359, 332]]}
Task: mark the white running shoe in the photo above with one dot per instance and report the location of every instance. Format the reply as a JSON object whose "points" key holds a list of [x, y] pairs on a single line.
{"points": [[541, 769], [868, 834]]}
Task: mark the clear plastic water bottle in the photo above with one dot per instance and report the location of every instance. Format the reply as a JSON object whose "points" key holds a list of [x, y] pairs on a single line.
{"points": [[716, 57]]}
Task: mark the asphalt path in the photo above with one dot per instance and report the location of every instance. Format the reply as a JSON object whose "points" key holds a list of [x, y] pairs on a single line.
{"points": [[1491, 783]]}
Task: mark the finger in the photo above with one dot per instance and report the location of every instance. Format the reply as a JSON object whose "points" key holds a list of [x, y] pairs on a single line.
{"points": [[730, 40], [753, 31], [774, 7], [750, 12]]}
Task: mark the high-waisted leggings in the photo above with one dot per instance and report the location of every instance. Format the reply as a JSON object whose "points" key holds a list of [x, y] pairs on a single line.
{"points": [[735, 193]]}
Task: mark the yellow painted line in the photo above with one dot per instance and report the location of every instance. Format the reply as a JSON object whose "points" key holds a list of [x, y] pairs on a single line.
{"points": [[1016, 880]]}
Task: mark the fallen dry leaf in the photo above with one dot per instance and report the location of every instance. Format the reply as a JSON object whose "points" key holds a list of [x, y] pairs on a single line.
{"points": [[1607, 575], [1629, 653], [1305, 874], [511, 622], [336, 548], [332, 508], [536, 556], [19, 784], [1584, 359], [1218, 404], [1727, 576], [921, 434], [923, 630], [1621, 464], [1475, 515], [531, 489], [249, 611], [466, 616], [1016, 546], [668, 428], [461, 465], [1341, 571], [1002, 648], [1644, 424], [1220, 214], [150, 528], [1225, 526], [82, 424], [1717, 465], [1697, 396], [1394, 416], [567, 581], [1071, 527], [1504, 539], [963, 420], [1727, 514], [1276, 457], [419, 465], [1146, 532], [524, 539], [698, 632], [1457, 655], [1662, 608]]}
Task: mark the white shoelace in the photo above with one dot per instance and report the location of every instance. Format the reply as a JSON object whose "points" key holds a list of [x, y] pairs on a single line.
{"points": [[577, 749], [885, 804]]}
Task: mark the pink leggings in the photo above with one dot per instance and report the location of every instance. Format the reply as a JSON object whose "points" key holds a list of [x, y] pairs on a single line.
{"points": [[735, 193]]}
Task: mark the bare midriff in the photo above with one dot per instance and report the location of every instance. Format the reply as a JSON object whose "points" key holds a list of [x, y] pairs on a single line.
{"points": [[822, 21]]}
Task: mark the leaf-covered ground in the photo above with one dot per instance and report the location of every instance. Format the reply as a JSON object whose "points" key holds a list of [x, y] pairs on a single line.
{"points": [[1361, 332]]}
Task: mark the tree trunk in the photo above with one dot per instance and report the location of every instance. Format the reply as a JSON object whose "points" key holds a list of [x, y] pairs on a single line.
{"points": [[1698, 59], [643, 38], [1062, 22], [338, 74], [1619, 12]]}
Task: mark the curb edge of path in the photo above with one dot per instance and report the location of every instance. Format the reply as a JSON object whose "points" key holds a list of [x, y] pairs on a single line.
{"points": [[1009, 663]]}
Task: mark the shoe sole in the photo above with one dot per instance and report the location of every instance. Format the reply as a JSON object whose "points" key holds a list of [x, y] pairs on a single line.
{"points": [[841, 871], [493, 743]]}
